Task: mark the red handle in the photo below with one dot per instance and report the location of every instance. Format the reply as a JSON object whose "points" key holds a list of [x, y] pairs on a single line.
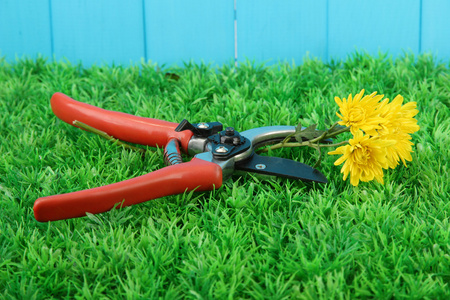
{"points": [[197, 174], [133, 129]]}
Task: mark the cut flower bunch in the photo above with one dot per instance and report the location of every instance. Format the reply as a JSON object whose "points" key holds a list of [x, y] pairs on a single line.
{"points": [[381, 135]]}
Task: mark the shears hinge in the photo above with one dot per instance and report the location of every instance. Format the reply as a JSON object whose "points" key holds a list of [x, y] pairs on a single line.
{"points": [[200, 129], [228, 143]]}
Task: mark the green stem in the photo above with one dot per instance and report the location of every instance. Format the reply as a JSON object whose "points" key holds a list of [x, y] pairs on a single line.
{"points": [[106, 136], [334, 125], [338, 132], [284, 145], [333, 145], [311, 143]]}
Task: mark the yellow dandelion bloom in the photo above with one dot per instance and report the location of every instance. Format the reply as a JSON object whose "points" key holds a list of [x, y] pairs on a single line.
{"points": [[364, 158], [400, 149], [398, 123], [360, 113], [398, 118]]}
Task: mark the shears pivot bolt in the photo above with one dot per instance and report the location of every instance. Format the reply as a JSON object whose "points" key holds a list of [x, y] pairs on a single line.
{"points": [[221, 149]]}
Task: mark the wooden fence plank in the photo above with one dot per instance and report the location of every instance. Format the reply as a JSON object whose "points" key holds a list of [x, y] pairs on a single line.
{"points": [[270, 30], [198, 30], [436, 27], [24, 28], [101, 31], [174, 31], [382, 25]]}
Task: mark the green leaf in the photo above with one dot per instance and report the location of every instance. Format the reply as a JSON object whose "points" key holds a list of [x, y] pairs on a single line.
{"points": [[307, 133]]}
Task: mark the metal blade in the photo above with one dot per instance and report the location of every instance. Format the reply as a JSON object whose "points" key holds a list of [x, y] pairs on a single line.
{"points": [[280, 167]]}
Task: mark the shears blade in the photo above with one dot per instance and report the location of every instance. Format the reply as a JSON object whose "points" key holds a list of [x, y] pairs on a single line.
{"points": [[280, 167]]}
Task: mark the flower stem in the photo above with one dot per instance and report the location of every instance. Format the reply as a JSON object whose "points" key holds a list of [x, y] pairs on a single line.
{"points": [[284, 145], [333, 145], [314, 143]]}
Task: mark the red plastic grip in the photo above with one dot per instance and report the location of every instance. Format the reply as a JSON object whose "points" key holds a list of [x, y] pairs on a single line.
{"points": [[122, 126], [198, 174]]}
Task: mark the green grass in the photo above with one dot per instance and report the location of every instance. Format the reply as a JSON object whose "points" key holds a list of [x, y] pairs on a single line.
{"points": [[272, 239]]}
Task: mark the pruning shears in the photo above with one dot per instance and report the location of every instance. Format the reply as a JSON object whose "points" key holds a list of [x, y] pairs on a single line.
{"points": [[217, 153]]}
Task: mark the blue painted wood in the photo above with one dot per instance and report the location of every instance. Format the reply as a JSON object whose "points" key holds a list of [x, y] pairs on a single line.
{"points": [[24, 28], [198, 30], [270, 30], [382, 25], [436, 28], [174, 31], [100, 31]]}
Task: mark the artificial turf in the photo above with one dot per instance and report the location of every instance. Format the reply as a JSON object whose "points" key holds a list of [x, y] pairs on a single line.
{"points": [[252, 238]]}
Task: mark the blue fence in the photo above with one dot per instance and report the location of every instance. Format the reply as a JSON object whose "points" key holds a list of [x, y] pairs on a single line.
{"points": [[213, 31]]}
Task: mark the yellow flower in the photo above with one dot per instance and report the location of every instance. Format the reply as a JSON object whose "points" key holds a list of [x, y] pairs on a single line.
{"points": [[360, 112], [398, 118], [400, 149], [397, 126], [364, 158]]}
